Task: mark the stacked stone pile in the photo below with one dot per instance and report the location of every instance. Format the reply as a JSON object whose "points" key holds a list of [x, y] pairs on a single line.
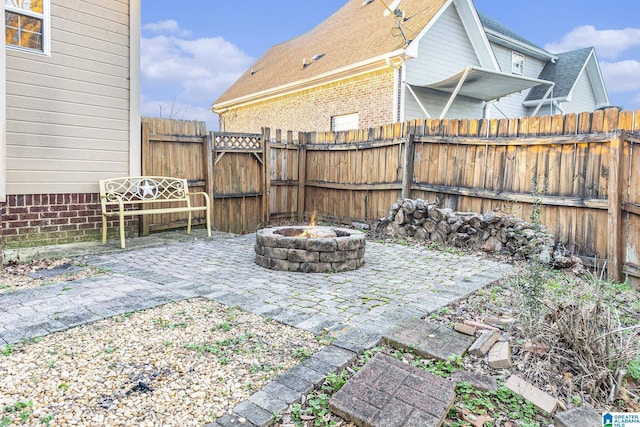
{"points": [[493, 232]]}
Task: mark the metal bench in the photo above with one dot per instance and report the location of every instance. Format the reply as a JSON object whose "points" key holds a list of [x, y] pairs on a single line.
{"points": [[139, 195]]}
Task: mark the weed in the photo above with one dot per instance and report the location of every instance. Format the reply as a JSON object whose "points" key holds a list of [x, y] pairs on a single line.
{"points": [[63, 386], [441, 368], [111, 350], [20, 409], [51, 363], [301, 353], [46, 420], [334, 382], [224, 326], [8, 349], [633, 369]]}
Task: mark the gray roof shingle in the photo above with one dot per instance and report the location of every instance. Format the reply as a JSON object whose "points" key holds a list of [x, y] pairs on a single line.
{"points": [[564, 72]]}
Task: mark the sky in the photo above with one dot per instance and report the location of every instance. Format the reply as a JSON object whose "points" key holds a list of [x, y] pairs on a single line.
{"points": [[191, 54]]}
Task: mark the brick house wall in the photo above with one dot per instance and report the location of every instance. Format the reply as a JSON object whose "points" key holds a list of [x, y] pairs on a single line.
{"points": [[370, 95], [47, 219]]}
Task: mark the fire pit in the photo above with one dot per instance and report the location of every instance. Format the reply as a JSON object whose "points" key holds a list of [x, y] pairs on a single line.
{"points": [[310, 249]]}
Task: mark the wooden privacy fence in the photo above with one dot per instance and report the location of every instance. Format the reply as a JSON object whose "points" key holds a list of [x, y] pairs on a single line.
{"points": [[577, 174]]}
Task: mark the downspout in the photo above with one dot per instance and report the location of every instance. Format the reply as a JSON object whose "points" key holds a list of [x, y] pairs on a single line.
{"points": [[397, 107]]}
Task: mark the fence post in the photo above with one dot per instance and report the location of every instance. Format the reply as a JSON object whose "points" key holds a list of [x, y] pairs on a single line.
{"points": [[614, 247], [208, 168], [266, 189], [147, 164], [407, 173], [302, 174]]}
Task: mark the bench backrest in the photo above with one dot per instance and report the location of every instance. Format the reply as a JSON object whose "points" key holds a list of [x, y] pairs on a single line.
{"points": [[143, 189]]}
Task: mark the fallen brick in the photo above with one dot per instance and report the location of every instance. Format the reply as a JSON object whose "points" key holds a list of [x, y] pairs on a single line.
{"points": [[500, 355], [480, 325], [478, 381], [483, 343], [465, 329], [541, 400], [499, 322]]}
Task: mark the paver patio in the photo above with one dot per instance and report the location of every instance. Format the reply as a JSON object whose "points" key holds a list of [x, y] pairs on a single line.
{"points": [[396, 284]]}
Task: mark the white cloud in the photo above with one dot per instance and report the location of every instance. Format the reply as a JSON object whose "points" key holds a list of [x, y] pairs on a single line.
{"points": [[187, 73], [621, 76], [169, 26], [608, 43]]}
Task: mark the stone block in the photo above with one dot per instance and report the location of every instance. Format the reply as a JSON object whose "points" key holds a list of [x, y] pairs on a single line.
{"points": [[500, 355], [483, 343], [541, 400], [268, 402], [284, 265], [299, 255], [465, 329], [337, 256], [295, 242], [345, 266], [275, 253], [321, 245], [254, 414], [315, 267], [584, 416], [428, 339], [266, 240]]}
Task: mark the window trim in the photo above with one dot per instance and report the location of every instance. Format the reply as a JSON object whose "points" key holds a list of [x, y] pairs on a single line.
{"points": [[517, 58], [46, 27]]}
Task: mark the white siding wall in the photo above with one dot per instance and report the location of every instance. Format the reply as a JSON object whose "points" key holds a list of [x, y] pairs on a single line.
{"points": [[585, 99], [512, 105], [68, 115], [445, 50]]}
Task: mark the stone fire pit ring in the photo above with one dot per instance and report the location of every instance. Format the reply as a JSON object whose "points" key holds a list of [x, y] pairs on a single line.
{"points": [[287, 249]]}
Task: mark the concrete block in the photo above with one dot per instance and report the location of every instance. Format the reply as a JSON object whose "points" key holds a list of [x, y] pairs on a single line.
{"points": [[541, 400], [483, 343], [500, 355]]}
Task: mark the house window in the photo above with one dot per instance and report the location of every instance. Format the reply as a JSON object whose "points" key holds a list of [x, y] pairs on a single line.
{"points": [[26, 24], [344, 122], [517, 63]]}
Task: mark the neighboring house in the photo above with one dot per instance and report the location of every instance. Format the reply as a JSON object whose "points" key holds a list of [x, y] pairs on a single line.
{"points": [[372, 63], [70, 113]]}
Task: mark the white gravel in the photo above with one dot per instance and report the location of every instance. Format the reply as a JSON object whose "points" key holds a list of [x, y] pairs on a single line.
{"points": [[182, 364]]}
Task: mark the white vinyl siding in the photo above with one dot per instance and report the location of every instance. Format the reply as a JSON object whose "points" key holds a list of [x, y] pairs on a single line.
{"points": [[585, 99], [511, 105], [68, 118], [444, 51]]}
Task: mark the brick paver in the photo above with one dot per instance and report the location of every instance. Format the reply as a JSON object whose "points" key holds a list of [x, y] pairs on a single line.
{"points": [[387, 393]]}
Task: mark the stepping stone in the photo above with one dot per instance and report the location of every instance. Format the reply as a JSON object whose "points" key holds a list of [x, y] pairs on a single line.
{"points": [[429, 340], [388, 393], [55, 271], [584, 416]]}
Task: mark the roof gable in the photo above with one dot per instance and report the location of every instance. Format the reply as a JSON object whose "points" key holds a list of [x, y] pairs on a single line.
{"points": [[565, 73]]}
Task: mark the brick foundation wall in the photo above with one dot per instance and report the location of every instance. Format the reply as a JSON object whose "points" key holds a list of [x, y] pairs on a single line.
{"points": [[49, 219], [370, 95]]}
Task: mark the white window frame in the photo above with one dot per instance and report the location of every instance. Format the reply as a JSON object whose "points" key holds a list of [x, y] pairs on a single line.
{"points": [[344, 122], [46, 27], [517, 63]]}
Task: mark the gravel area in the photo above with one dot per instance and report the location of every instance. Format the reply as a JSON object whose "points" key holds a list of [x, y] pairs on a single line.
{"points": [[15, 276], [182, 364]]}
